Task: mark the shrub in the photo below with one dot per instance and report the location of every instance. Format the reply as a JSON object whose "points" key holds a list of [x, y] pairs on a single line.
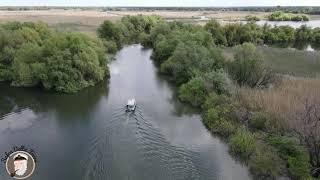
{"points": [[303, 34], [111, 32], [286, 146], [216, 30], [214, 120], [278, 34], [290, 151], [243, 143], [224, 128], [210, 118], [217, 81], [265, 163], [214, 100], [185, 58], [281, 16], [111, 46], [258, 121], [248, 68], [252, 18], [306, 126], [193, 92], [299, 167], [145, 40], [315, 37]]}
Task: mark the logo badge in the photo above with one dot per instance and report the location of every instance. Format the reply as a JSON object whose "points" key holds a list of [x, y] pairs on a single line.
{"points": [[20, 165]]}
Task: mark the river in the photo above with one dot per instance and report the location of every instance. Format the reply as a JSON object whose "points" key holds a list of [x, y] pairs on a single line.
{"points": [[89, 135]]}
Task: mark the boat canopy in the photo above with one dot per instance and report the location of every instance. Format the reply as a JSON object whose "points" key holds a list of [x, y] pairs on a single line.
{"points": [[131, 102]]}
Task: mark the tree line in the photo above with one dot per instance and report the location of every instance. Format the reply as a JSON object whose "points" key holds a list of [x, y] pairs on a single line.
{"points": [[32, 54], [228, 35], [191, 56]]}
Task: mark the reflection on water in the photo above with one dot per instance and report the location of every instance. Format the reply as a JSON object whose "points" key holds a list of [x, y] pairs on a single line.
{"points": [[311, 23], [17, 119], [294, 24], [309, 48], [305, 46], [90, 136]]}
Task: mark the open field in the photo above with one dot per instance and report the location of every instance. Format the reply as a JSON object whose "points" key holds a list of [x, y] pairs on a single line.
{"points": [[292, 61], [70, 20], [288, 61], [88, 20], [94, 17]]}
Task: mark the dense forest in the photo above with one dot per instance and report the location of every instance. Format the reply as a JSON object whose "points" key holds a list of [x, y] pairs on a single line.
{"points": [[191, 56], [31, 54]]}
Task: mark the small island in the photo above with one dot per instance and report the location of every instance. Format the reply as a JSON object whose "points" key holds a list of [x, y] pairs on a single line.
{"points": [[32, 54], [282, 16]]}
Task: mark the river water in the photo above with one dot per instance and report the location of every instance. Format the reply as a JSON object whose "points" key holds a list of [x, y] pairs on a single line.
{"points": [[89, 135], [294, 24], [315, 23]]}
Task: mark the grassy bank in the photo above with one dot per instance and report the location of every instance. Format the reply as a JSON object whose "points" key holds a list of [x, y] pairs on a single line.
{"points": [[287, 61]]}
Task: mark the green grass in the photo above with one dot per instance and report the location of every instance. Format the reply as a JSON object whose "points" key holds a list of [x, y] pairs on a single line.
{"points": [[78, 27], [291, 61], [288, 61]]}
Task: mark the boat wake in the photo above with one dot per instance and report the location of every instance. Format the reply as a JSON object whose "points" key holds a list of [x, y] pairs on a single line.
{"points": [[131, 137]]}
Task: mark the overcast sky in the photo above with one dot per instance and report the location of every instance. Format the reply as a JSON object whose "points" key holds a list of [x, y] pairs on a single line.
{"points": [[159, 2]]}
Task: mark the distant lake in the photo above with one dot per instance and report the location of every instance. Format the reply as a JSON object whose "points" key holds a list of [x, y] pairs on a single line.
{"points": [[312, 23]]}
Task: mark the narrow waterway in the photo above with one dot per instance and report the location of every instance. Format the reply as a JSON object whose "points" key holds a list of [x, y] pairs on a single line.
{"points": [[90, 136]]}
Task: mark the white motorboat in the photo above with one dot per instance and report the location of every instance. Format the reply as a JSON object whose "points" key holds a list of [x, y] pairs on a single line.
{"points": [[131, 105]]}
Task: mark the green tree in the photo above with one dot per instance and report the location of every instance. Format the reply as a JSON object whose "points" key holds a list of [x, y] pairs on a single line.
{"points": [[184, 61], [31, 54], [111, 32], [248, 68], [303, 34], [217, 81], [217, 32], [193, 92]]}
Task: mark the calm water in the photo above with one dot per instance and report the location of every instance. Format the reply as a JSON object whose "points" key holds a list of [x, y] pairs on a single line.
{"points": [[90, 136], [311, 23]]}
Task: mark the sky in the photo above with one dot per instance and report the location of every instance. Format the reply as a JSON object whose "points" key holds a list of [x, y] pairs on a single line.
{"points": [[180, 3]]}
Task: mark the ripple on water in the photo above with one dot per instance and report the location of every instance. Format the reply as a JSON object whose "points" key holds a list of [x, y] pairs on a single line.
{"points": [[18, 119], [159, 159]]}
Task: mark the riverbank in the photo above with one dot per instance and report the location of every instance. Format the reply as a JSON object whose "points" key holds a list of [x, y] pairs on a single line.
{"points": [[199, 68], [92, 137], [186, 53]]}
